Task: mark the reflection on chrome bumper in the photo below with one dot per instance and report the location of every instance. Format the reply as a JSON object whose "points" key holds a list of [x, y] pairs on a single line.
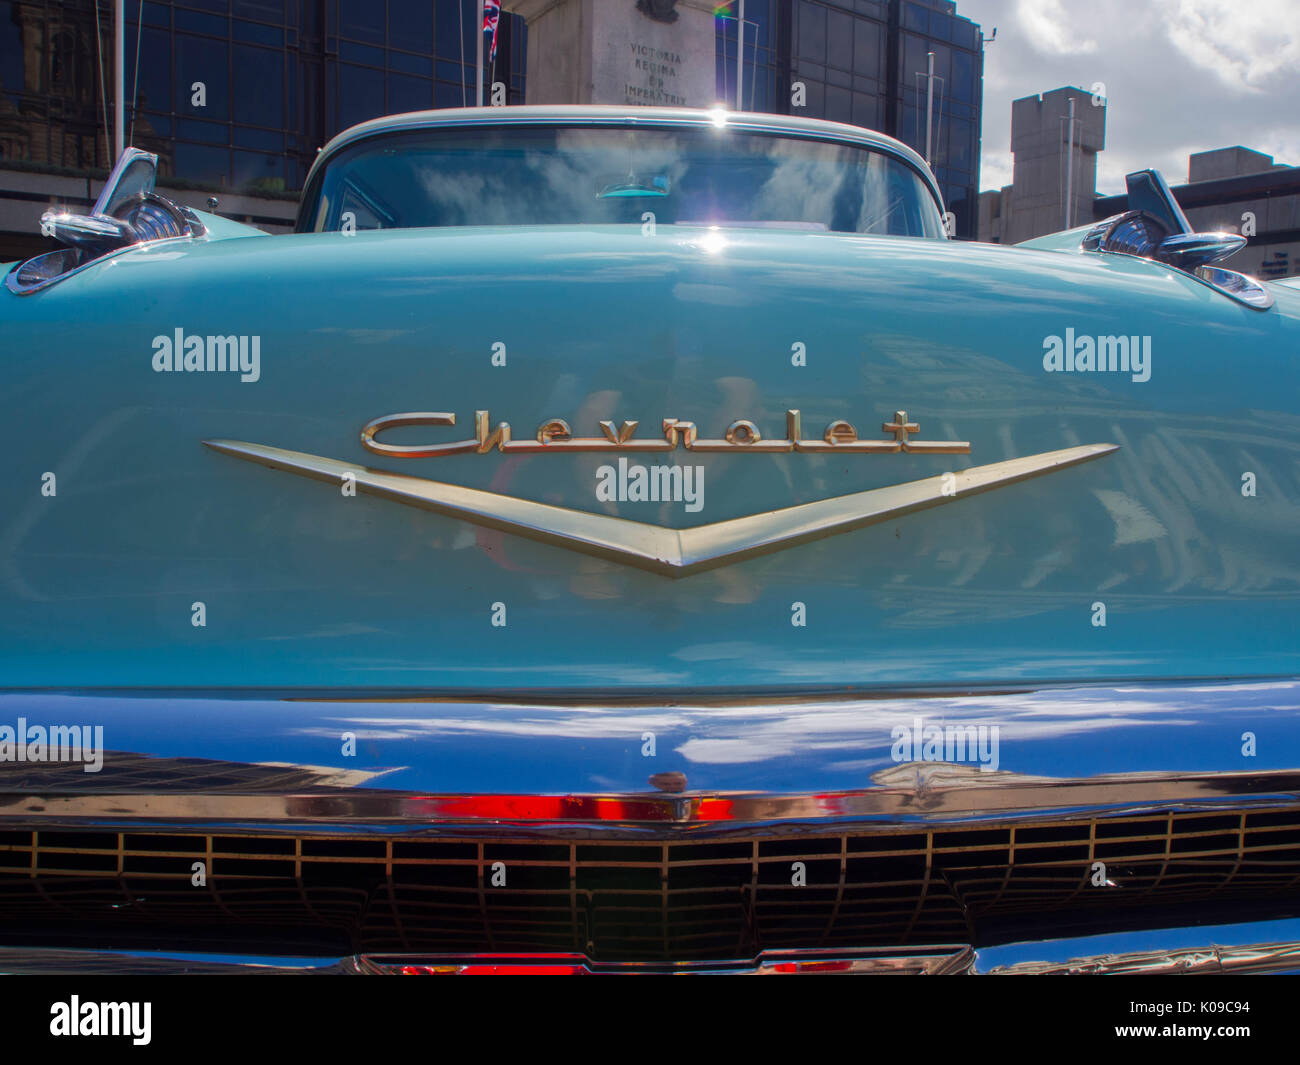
{"points": [[1252, 959], [758, 828], [266, 758], [1249, 947], [930, 961], [1255, 959]]}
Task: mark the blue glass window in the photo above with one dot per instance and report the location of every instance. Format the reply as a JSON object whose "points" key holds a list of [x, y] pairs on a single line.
{"points": [[839, 40], [199, 59], [197, 22], [264, 140], [253, 32], [867, 40], [410, 25], [812, 32], [258, 172], [406, 93], [360, 94], [963, 76], [361, 20], [410, 64], [194, 129], [151, 78], [263, 10], [259, 86], [199, 162]]}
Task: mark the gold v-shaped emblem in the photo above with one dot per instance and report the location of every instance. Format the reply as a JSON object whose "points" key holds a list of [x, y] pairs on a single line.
{"points": [[668, 552]]}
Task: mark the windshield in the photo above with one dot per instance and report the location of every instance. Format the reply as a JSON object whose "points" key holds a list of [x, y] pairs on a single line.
{"points": [[541, 175]]}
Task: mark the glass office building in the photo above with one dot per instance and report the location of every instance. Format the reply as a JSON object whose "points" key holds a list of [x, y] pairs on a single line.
{"points": [[865, 62], [234, 94], [237, 95]]}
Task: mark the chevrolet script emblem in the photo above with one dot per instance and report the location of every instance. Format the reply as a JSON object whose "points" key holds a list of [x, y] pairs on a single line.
{"points": [[742, 435], [665, 551]]}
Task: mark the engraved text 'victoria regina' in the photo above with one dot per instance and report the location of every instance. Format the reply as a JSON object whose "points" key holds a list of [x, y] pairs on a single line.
{"points": [[741, 435]]}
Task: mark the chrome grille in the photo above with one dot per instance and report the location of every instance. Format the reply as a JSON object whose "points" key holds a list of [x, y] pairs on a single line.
{"points": [[624, 897]]}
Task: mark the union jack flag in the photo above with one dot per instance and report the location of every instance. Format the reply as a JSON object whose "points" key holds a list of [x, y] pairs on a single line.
{"points": [[491, 19]]}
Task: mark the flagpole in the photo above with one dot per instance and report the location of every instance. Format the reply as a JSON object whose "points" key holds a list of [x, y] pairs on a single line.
{"points": [[740, 59], [478, 63], [119, 80], [929, 105]]}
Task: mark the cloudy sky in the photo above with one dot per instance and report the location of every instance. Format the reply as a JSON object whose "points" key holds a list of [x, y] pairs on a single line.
{"points": [[1180, 76]]}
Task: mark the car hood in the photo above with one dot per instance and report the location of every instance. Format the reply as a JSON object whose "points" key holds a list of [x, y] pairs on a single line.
{"points": [[1126, 549]]}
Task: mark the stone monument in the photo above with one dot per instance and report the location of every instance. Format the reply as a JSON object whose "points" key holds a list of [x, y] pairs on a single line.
{"points": [[657, 53]]}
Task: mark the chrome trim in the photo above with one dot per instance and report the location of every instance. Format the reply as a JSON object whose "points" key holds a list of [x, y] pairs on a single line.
{"points": [[79, 229], [133, 176], [271, 762], [1253, 960], [1161, 204], [51, 961], [665, 551], [934, 961], [128, 164], [1188, 254], [554, 436], [1239, 287], [197, 227], [939, 960], [13, 284], [93, 231], [928, 798], [652, 117], [1190, 250], [1095, 238], [1185, 251], [1129, 773], [1248, 947]]}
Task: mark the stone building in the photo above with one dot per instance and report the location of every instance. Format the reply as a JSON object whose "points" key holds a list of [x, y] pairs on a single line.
{"points": [[1050, 158], [1234, 188]]}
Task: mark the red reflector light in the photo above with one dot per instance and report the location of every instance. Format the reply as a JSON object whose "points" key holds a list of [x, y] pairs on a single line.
{"points": [[814, 967]]}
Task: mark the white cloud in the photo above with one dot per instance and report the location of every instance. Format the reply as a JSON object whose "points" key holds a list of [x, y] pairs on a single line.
{"points": [[1050, 30], [1245, 45], [995, 169], [1181, 76]]}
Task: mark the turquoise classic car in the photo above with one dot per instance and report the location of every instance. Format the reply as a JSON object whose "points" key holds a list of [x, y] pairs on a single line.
{"points": [[640, 539]]}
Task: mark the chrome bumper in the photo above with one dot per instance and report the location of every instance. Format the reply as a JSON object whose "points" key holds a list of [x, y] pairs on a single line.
{"points": [[1234, 951], [1190, 793]]}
